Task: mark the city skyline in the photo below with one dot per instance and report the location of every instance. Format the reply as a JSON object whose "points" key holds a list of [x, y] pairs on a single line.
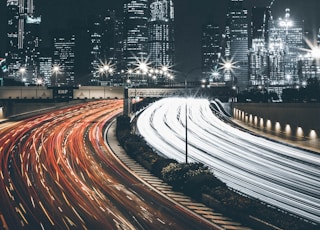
{"points": [[189, 17]]}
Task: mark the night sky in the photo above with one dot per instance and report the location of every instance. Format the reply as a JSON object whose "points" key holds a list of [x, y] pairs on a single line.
{"points": [[189, 16]]}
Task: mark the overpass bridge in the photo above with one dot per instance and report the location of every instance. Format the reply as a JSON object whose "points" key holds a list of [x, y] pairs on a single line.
{"points": [[12, 97], [302, 122]]}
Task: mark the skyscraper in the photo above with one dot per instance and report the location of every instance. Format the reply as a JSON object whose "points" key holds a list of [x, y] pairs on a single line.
{"points": [[236, 49], [106, 45], [22, 39], [32, 42], [14, 44], [64, 57], [285, 45], [136, 14], [211, 51], [161, 33], [258, 47], [113, 39], [45, 65], [96, 33]]}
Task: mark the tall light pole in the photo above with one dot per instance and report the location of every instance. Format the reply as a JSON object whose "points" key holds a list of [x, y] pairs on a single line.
{"points": [[186, 109], [22, 71], [186, 118], [315, 53], [56, 70]]}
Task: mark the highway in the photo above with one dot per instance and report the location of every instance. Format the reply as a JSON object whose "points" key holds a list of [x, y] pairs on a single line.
{"points": [[56, 172], [278, 174]]}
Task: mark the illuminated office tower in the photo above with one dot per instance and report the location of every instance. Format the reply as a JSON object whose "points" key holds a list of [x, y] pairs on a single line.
{"points": [[285, 45], [211, 52], [106, 42], [236, 49], [14, 52], [64, 58], [136, 14], [161, 33], [45, 65], [258, 47], [113, 40], [31, 48], [22, 39], [96, 32]]}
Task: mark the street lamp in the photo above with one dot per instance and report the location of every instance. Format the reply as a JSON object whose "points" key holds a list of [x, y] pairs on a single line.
{"points": [[315, 52], [56, 70], [22, 71], [227, 67], [186, 109]]}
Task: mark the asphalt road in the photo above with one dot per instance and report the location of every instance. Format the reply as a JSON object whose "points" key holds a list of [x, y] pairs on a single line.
{"points": [[278, 174], [57, 173]]}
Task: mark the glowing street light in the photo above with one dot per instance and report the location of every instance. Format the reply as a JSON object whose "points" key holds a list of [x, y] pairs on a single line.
{"points": [[165, 68], [227, 65], [315, 52], [22, 71], [143, 67], [56, 70]]}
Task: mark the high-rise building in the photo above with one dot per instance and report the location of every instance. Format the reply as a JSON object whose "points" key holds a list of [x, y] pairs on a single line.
{"points": [[258, 47], [31, 48], [64, 58], [113, 40], [22, 39], [106, 46], [14, 44], [285, 47], [211, 52], [136, 14], [45, 65], [96, 33], [236, 49], [161, 47]]}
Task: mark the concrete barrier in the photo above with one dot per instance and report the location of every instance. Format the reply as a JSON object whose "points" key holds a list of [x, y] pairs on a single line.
{"points": [[294, 121]]}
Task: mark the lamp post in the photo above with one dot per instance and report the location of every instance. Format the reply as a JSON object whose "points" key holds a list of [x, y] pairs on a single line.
{"points": [[22, 71], [186, 109], [56, 70], [227, 67], [315, 53]]}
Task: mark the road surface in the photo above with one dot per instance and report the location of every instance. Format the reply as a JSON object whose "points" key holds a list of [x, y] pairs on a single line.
{"points": [[57, 173], [276, 173]]}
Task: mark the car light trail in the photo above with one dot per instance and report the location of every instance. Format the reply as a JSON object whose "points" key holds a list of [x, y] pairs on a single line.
{"points": [[286, 177], [57, 172]]}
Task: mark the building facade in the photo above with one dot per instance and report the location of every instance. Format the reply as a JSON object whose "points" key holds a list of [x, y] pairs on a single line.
{"points": [[106, 46], [161, 46], [236, 50], [211, 52], [96, 33], [14, 52], [136, 14], [259, 71], [23, 39], [32, 42], [64, 58], [285, 46]]}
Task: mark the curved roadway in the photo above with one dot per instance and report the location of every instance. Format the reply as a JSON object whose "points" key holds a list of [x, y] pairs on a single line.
{"points": [[277, 174], [57, 173]]}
